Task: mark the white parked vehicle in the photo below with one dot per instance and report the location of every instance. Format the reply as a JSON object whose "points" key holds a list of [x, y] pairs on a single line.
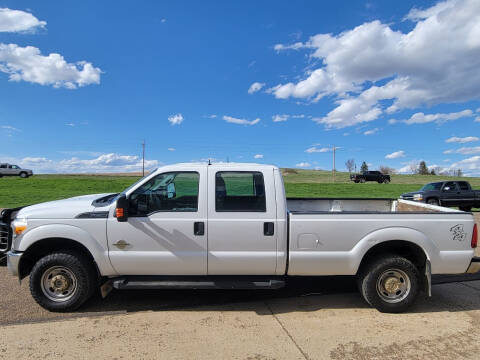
{"points": [[230, 226]]}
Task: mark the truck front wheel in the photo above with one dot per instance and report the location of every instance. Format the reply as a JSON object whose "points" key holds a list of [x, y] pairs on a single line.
{"points": [[390, 284], [62, 281]]}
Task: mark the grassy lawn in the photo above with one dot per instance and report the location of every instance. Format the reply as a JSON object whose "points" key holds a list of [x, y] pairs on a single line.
{"points": [[298, 183]]}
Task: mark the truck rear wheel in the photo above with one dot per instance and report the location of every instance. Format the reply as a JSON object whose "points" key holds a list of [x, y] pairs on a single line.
{"points": [[62, 281], [390, 284], [386, 181]]}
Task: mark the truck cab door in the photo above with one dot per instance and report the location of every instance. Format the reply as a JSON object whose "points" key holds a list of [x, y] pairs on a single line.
{"points": [[450, 194], [242, 222], [165, 233]]}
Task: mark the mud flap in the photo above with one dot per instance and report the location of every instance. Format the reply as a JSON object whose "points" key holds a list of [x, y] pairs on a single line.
{"points": [[105, 288], [428, 278]]}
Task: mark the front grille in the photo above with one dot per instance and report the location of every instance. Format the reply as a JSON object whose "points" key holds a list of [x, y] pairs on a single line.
{"points": [[407, 197], [4, 238]]}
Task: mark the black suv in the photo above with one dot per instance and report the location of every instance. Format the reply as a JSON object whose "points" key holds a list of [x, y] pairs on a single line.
{"points": [[370, 176], [447, 193]]}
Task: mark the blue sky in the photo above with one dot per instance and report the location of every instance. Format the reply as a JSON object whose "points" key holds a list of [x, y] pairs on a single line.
{"points": [[281, 82]]}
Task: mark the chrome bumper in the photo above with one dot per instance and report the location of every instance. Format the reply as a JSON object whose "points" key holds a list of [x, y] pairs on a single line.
{"points": [[13, 260], [474, 265]]}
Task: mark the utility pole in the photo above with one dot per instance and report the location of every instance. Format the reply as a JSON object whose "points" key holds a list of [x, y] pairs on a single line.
{"points": [[143, 158], [333, 168]]}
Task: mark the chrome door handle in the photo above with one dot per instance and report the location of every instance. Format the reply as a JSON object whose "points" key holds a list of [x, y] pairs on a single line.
{"points": [[121, 244]]}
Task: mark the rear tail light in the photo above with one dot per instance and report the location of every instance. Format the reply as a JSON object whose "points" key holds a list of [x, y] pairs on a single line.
{"points": [[474, 236]]}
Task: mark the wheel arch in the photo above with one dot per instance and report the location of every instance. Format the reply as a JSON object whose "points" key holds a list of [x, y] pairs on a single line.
{"points": [[47, 246], [407, 249]]}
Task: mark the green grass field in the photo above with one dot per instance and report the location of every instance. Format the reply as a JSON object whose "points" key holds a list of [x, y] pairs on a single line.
{"points": [[299, 183]]}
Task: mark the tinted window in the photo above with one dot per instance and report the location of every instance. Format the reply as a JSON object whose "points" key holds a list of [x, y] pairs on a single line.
{"points": [[463, 185], [3, 166], [174, 191], [239, 191], [432, 186], [451, 185]]}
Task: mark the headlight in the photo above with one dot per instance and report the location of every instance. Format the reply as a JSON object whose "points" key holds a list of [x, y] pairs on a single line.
{"points": [[19, 226], [418, 197]]}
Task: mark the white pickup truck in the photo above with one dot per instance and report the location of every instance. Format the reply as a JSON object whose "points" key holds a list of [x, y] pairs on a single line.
{"points": [[230, 226]]}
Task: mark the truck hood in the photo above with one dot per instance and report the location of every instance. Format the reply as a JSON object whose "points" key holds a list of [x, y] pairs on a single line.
{"points": [[60, 209], [410, 194]]}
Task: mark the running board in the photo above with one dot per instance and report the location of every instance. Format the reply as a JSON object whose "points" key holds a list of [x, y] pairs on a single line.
{"points": [[199, 282]]}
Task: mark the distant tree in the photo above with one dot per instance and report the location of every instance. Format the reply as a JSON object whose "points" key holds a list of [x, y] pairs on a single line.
{"points": [[350, 165], [422, 168], [432, 172], [459, 173], [364, 167], [387, 170]]}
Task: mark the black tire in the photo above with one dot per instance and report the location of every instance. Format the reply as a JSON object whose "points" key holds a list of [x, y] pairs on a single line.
{"points": [[375, 275], [356, 181], [465, 208], [386, 181], [379, 181], [23, 175], [433, 202], [72, 263], [362, 180]]}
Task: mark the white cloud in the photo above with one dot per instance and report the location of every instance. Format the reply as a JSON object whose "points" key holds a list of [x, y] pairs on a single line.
{"points": [[171, 149], [477, 119], [303, 165], [372, 69], [258, 156], [18, 21], [163, 20], [28, 64], [285, 117], [478, 110], [105, 163], [464, 150], [315, 149], [70, 124], [9, 128], [280, 118], [238, 121], [470, 166], [256, 86], [421, 118], [371, 132], [395, 155], [455, 139], [176, 119], [212, 116]]}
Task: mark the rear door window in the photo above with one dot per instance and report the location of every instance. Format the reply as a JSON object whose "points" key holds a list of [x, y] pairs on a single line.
{"points": [[463, 185], [242, 191]]}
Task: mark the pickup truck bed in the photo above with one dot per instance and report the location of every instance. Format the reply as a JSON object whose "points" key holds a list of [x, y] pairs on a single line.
{"points": [[322, 241]]}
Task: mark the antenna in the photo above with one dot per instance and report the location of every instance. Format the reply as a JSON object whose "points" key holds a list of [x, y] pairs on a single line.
{"points": [[143, 158], [209, 163]]}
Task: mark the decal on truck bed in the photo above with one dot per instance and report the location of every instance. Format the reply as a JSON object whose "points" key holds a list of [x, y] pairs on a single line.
{"points": [[458, 234]]}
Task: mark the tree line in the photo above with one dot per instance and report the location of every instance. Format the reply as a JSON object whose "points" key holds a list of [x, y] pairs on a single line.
{"points": [[420, 168]]}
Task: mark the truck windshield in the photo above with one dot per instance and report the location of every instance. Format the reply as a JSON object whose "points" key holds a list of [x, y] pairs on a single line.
{"points": [[136, 182], [432, 186]]}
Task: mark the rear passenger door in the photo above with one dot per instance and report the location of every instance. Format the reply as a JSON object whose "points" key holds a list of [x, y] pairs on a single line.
{"points": [[242, 229], [450, 194]]}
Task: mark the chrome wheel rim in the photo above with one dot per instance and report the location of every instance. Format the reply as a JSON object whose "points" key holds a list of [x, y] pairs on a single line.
{"points": [[58, 283], [393, 286]]}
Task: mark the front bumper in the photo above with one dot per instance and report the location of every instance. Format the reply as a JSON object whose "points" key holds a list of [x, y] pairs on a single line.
{"points": [[474, 265], [13, 261]]}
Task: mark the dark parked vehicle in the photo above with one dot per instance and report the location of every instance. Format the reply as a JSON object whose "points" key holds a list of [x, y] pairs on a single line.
{"points": [[14, 170], [447, 193], [370, 176]]}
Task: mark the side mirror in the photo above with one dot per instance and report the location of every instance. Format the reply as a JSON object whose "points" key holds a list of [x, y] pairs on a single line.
{"points": [[121, 211], [446, 188]]}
